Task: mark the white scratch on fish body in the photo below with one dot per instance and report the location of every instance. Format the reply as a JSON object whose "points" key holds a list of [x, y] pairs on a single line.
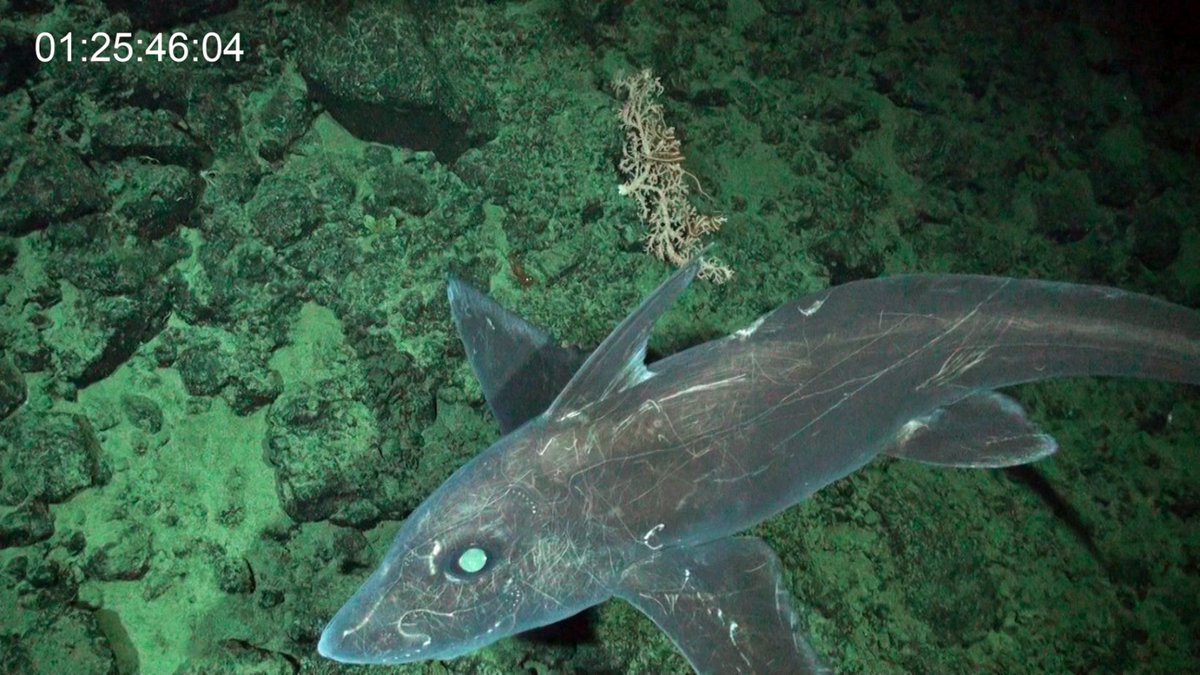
{"points": [[653, 531], [812, 309], [707, 386], [749, 330]]}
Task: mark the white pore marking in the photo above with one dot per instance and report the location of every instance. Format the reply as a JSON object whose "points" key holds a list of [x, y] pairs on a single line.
{"points": [[366, 617], [733, 626], [437, 548], [424, 637], [653, 531], [359, 625], [749, 330], [812, 309]]}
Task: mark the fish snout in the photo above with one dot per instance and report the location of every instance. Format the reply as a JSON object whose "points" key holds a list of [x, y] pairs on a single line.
{"points": [[365, 637]]}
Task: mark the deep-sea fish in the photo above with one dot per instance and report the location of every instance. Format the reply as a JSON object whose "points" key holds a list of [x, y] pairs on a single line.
{"points": [[617, 478]]}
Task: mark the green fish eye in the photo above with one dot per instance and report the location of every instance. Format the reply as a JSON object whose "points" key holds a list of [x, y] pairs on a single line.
{"points": [[472, 560]]}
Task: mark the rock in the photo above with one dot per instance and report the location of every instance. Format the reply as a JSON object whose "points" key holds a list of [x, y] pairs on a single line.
{"points": [[1066, 207], [1158, 229], [158, 199], [238, 656], [122, 325], [319, 441], [12, 388], [252, 390], [124, 558], [283, 211], [234, 575], [49, 183], [278, 118], [94, 254], [204, 369], [142, 412], [398, 186], [1121, 164], [375, 75], [49, 457], [154, 14], [28, 524], [152, 134], [73, 643]]}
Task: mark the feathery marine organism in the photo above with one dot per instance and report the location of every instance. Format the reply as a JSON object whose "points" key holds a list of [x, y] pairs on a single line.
{"points": [[618, 479]]}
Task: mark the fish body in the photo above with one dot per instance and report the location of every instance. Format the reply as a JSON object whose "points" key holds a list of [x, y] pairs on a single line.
{"points": [[618, 479]]}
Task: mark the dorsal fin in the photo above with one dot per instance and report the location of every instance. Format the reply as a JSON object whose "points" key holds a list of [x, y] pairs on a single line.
{"points": [[620, 361], [519, 366]]}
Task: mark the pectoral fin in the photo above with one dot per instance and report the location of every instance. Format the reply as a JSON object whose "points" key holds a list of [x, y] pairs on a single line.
{"points": [[984, 431], [724, 605]]}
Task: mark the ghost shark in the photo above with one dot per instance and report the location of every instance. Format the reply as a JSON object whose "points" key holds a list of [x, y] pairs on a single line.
{"points": [[615, 478]]}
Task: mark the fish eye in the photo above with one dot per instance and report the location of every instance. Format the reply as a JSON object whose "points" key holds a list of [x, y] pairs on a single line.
{"points": [[468, 562], [472, 560]]}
